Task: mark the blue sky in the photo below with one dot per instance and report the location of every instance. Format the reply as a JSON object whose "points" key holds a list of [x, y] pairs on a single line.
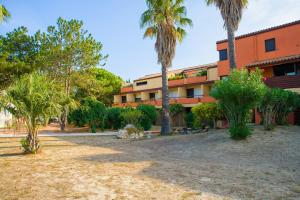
{"points": [[115, 23]]}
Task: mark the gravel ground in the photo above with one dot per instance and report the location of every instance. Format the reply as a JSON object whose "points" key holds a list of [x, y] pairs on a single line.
{"points": [[201, 166]]}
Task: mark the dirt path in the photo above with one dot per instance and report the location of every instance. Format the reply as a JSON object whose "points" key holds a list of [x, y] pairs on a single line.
{"points": [[204, 166]]}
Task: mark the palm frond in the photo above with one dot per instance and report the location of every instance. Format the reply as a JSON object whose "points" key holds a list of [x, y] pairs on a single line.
{"points": [[4, 13], [150, 32]]}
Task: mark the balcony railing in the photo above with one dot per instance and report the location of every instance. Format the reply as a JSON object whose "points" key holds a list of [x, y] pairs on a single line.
{"points": [[126, 89], [187, 81], [172, 100], [283, 81]]}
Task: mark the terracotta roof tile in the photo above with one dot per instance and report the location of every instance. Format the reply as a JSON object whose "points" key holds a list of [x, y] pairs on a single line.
{"points": [[275, 61]]}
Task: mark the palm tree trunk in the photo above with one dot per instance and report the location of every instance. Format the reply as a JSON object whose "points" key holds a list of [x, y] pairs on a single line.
{"points": [[165, 128], [231, 46]]}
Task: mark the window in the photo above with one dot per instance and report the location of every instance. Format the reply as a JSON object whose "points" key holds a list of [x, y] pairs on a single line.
{"points": [[173, 94], [141, 83], [223, 54], [124, 99], [190, 93], [138, 99], [287, 69], [152, 96], [270, 45], [198, 93]]}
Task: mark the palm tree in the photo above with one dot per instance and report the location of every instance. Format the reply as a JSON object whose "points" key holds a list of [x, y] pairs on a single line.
{"points": [[164, 20], [231, 11], [4, 13], [32, 98]]}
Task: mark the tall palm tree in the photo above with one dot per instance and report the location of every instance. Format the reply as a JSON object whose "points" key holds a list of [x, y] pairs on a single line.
{"points": [[231, 11], [4, 13], [164, 20]]}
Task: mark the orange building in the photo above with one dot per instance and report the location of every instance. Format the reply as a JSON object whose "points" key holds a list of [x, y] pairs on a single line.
{"points": [[188, 86], [275, 50]]}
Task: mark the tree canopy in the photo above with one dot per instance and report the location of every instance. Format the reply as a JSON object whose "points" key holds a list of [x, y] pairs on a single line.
{"points": [[18, 53], [98, 83]]}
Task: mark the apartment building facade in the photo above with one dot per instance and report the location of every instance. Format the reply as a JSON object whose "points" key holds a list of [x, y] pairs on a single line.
{"points": [[276, 51], [187, 86]]}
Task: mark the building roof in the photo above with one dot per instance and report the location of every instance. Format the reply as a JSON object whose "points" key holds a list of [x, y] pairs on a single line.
{"points": [[280, 60], [206, 66], [263, 31]]}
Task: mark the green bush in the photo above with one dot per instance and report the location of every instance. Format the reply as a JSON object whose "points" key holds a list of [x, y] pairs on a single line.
{"points": [[149, 115], [290, 102], [94, 113], [113, 118], [239, 132], [91, 112], [176, 109], [77, 117], [276, 105], [237, 95], [206, 113], [202, 73], [131, 116]]}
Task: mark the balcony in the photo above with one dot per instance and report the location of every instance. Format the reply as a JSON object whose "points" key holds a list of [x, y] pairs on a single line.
{"points": [[283, 82], [196, 79], [126, 89], [177, 100], [187, 81]]}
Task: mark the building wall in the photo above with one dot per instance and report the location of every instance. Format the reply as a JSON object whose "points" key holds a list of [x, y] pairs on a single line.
{"points": [[252, 49], [151, 83]]}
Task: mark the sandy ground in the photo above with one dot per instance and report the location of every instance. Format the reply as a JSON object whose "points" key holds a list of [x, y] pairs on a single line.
{"points": [[202, 166]]}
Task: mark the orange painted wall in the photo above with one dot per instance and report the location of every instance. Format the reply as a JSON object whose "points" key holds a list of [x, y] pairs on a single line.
{"points": [[252, 48]]}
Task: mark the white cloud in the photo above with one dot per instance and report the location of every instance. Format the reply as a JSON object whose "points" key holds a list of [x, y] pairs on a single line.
{"points": [[266, 13]]}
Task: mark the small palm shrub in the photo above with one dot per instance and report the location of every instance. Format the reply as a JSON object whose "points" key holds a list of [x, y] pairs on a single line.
{"points": [[237, 95], [149, 115], [32, 97]]}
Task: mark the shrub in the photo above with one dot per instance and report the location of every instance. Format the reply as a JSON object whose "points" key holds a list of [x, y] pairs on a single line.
{"points": [[131, 116], [206, 113], [113, 118], [202, 73], [239, 132], [269, 106], [91, 112], [290, 102], [149, 115], [276, 105], [177, 77], [237, 95], [77, 117], [94, 112]]}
